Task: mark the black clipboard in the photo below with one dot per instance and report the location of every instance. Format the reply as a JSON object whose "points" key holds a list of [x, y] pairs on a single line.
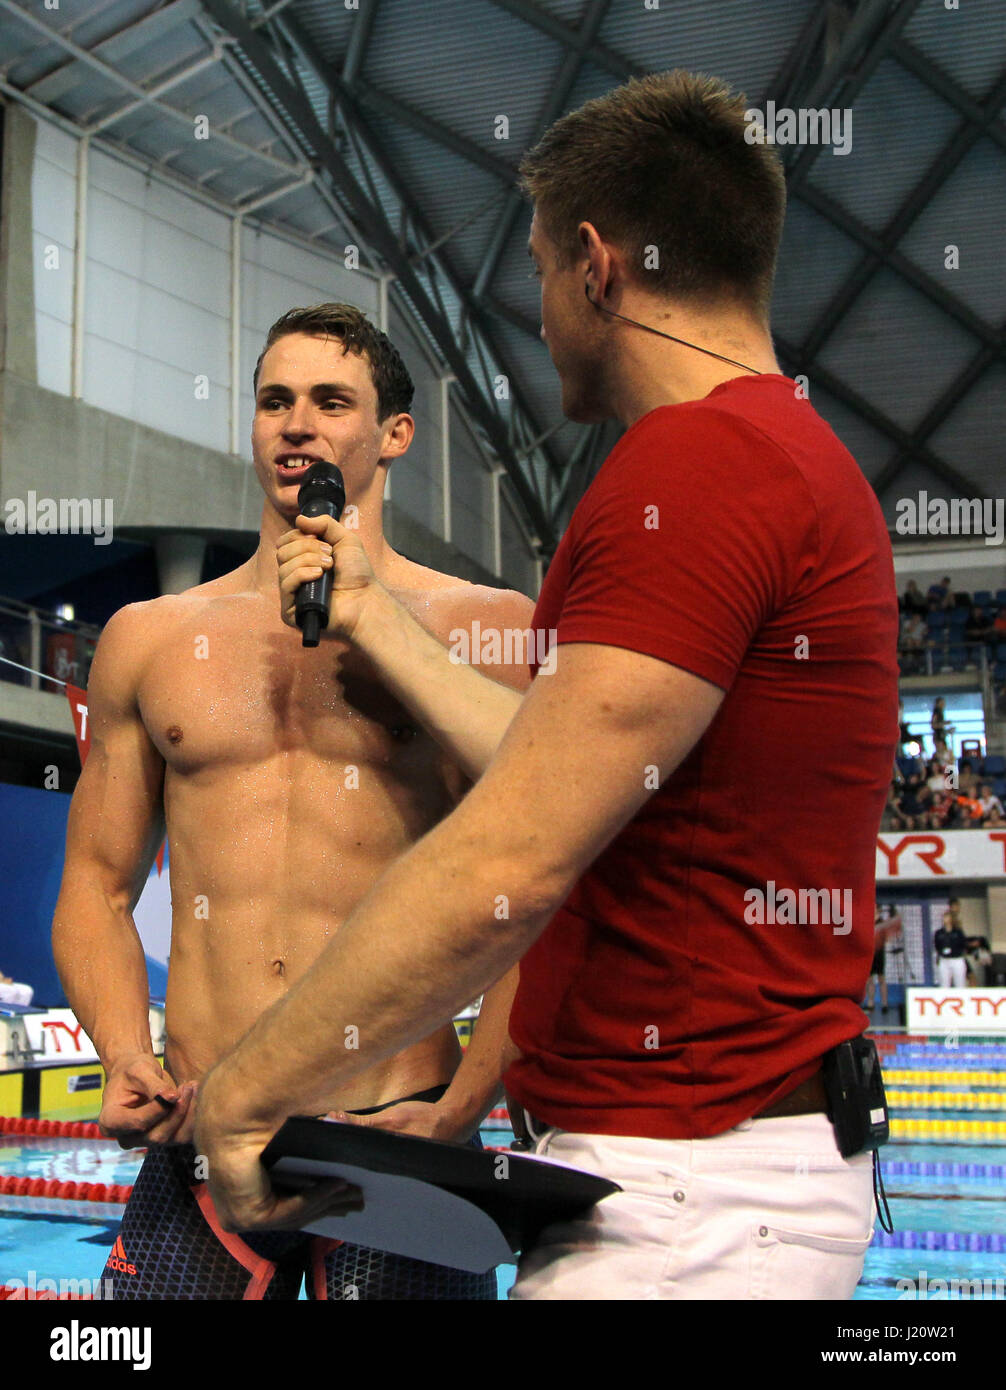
{"points": [[448, 1204]]}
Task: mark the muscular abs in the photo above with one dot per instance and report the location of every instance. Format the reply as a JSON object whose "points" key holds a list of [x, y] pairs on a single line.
{"points": [[292, 779]]}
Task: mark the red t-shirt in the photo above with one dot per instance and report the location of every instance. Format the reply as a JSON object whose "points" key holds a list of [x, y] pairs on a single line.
{"points": [[655, 1003]]}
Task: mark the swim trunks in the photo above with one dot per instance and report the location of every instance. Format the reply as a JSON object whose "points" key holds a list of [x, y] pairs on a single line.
{"points": [[171, 1246]]}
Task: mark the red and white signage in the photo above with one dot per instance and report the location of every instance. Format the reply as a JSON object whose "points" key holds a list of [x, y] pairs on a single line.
{"points": [[929, 856], [977, 1010], [56, 1036]]}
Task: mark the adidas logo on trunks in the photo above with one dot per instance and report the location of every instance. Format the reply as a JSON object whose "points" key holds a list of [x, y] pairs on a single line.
{"points": [[118, 1260]]}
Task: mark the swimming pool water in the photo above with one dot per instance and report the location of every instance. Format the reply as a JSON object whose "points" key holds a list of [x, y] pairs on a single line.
{"points": [[944, 1199]]}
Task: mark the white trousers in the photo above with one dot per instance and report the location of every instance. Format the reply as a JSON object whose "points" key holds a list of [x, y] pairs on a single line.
{"points": [[768, 1210], [953, 972], [16, 994]]}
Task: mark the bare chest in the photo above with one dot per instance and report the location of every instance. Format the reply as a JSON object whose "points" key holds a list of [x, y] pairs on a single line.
{"points": [[229, 689]]}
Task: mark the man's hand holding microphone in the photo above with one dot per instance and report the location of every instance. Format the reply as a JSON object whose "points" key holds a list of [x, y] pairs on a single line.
{"points": [[325, 577]]}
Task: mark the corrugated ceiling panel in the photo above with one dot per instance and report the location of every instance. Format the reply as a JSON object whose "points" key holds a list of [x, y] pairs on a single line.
{"points": [[971, 438], [330, 24], [724, 39], [968, 43], [591, 82], [897, 349], [868, 446], [464, 65], [898, 128], [911, 479], [814, 259], [967, 212], [447, 187], [569, 11]]}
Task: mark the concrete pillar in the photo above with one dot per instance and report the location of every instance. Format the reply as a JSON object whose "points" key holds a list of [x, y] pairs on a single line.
{"points": [[17, 281], [180, 558]]}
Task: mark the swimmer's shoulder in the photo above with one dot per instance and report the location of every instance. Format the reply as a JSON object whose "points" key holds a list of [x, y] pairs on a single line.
{"points": [[447, 606], [135, 632], [449, 600]]}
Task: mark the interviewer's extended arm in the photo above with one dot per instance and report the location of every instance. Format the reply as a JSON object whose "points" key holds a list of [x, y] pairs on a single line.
{"points": [[464, 904]]}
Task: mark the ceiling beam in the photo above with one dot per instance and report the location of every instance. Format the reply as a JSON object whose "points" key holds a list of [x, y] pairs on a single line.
{"points": [[470, 311], [844, 220], [373, 224], [875, 417], [373, 99], [62, 78], [871, 32], [559, 93], [921, 197], [124, 83], [600, 54], [941, 410], [359, 41], [937, 81]]}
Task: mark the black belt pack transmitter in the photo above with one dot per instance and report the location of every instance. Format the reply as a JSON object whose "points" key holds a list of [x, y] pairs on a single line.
{"points": [[857, 1105]]}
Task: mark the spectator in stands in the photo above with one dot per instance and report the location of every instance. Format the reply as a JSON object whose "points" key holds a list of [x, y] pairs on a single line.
{"points": [[892, 818], [969, 812], [904, 737], [936, 775], [942, 753], [914, 634], [987, 800], [942, 810], [979, 625], [939, 595], [938, 722], [967, 782], [979, 960], [950, 945], [910, 804], [13, 993], [914, 600], [995, 819]]}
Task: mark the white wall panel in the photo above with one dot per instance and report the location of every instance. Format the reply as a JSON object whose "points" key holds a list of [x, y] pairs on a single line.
{"points": [[471, 494], [53, 192], [417, 478], [157, 316], [519, 569]]}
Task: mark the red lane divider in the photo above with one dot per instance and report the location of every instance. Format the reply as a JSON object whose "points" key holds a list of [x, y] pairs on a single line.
{"points": [[51, 1129], [63, 1191]]}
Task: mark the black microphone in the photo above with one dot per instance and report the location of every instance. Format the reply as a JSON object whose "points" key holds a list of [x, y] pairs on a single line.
{"points": [[322, 493]]}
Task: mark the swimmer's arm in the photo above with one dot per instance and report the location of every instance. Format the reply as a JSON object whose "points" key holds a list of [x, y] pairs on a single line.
{"points": [[570, 773], [115, 826], [465, 710], [475, 1088], [477, 1085]]}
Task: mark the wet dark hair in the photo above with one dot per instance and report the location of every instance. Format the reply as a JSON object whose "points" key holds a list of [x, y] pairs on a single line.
{"points": [[357, 334]]}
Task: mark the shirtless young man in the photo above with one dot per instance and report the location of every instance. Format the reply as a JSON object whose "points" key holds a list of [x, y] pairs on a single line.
{"points": [[287, 779]]}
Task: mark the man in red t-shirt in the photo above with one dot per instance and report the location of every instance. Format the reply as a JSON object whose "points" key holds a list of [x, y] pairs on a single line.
{"points": [[677, 832]]}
